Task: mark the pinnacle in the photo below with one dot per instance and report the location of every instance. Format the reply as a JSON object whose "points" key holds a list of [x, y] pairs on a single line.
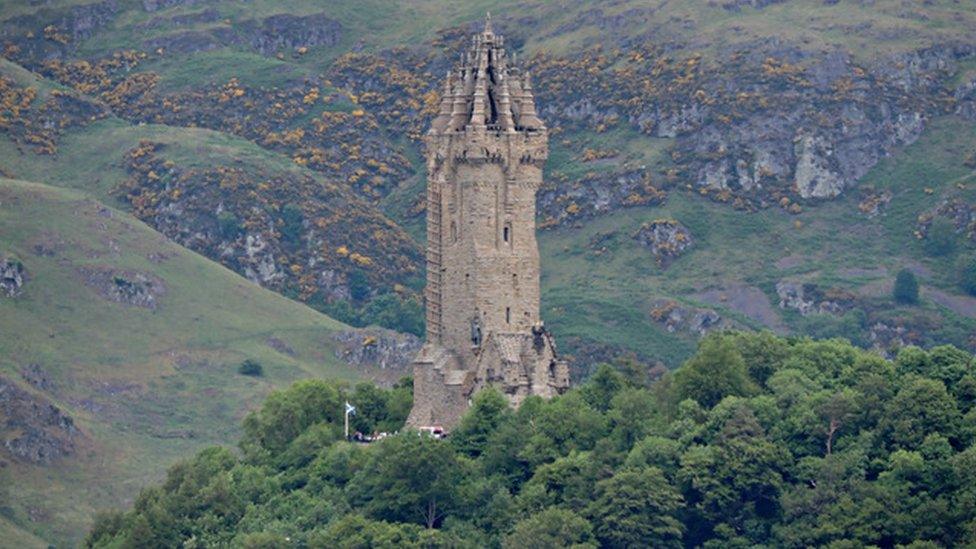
{"points": [[488, 23]]}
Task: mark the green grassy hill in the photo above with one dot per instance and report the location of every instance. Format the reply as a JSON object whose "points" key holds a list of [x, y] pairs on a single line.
{"points": [[657, 111], [276, 83], [144, 385]]}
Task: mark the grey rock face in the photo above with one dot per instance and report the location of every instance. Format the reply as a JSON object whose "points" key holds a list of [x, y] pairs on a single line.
{"points": [[810, 299], [37, 377], [278, 33], [596, 195], [888, 338], [680, 318], [70, 25], [382, 354], [32, 429], [126, 287], [12, 276], [156, 5], [816, 176], [666, 238]]}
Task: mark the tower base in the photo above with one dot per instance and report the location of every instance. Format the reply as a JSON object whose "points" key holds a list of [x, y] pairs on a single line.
{"points": [[517, 364]]}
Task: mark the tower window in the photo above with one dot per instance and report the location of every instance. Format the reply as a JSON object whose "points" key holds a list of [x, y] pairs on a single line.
{"points": [[508, 315], [505, 234]]}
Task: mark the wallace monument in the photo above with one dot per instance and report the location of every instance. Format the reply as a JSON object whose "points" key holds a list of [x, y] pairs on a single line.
{"points": [[485, 153]]}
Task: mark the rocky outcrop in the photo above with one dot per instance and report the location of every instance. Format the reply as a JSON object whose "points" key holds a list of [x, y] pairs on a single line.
{"points": [[127, 287], [268, 36], [157, 5], [808, 299], [888, 338], [282, 230], [32, 429], [561, 202], [737, 5], [53, 33], [763, 120], [381, 354], [965, 97], [874, 202], [666, 238], [679, 318], [37, 378], [209, 15], [12, 277], [816, 175], [958, 211]]}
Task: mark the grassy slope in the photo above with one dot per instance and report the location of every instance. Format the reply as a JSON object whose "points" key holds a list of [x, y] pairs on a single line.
{"points": [[384, 23], [607, 296], [731, 247], [146, 386]]}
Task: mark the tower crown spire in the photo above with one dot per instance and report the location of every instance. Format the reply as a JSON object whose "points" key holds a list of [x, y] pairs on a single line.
{"points": [[492, 95]]}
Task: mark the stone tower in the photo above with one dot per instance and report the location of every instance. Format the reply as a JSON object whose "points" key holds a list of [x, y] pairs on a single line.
{"points": [[485, 152]]}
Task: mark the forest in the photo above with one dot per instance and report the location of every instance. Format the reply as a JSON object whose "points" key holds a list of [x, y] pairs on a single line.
{"points": [[756, 440]]}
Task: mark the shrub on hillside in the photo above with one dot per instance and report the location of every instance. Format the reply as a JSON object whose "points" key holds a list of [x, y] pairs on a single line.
{"points": [[967, 274], [906, 287], [292, 219], [940, 239], [229, 224], [251, 367]]}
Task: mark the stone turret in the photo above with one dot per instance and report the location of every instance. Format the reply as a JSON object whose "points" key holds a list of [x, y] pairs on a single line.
{"points": [[485, 152]]}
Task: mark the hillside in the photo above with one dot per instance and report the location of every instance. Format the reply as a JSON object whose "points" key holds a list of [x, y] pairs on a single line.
{"points": [[129, 345], [726, 164], [793, 147]]}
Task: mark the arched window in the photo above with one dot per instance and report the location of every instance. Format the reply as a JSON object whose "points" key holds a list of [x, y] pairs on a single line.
{"points": [[454, 233], [508, 315], [505, 233]]}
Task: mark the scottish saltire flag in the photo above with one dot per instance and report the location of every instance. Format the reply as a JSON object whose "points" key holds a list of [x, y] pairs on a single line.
{"points": [[350, 409]]}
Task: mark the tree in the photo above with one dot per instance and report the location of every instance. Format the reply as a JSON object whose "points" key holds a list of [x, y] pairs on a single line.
{"points": [[371, 407], [563, 424], [906, 287], [940, 239], [286, 414], [488, 410], [228, 224], [552, 528], [602, 385], [408, 478], [919, 409], [637, 508], [634, 414], [292, 220], [354, 532], [736, 480], [566, 482], [717, 370], [391, 311], [251, 367]]}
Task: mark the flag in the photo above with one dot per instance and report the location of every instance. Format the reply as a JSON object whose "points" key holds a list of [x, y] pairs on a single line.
{"points": [[350, 409]]}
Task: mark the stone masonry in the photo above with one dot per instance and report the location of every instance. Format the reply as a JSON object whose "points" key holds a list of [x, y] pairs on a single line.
{"points": [[485, 152]]}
